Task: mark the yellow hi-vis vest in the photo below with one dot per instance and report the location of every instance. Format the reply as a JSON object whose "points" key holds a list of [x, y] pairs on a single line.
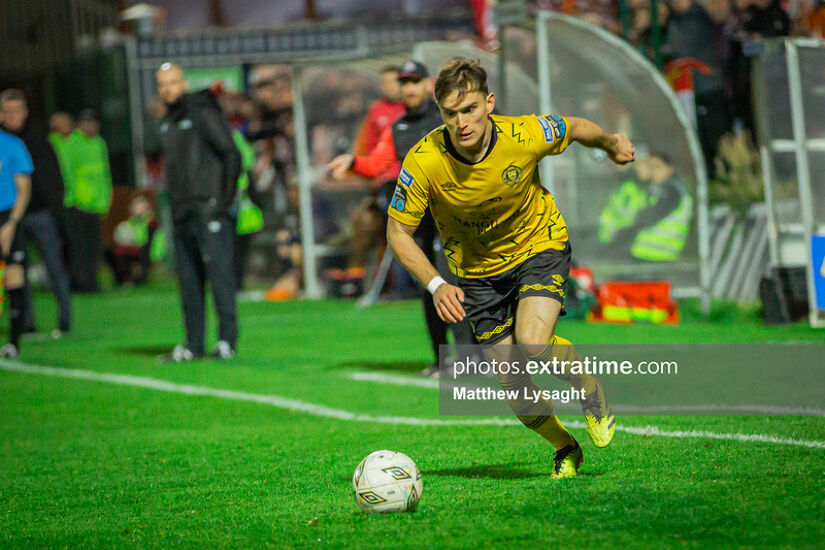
{"points": [[664, 241]]}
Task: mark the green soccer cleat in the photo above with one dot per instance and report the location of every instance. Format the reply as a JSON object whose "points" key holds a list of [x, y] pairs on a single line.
{"points": [[601, 424], [567, 461]]}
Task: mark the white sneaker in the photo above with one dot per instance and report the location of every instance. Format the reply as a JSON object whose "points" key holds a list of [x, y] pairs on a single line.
{"points": [[9, 351], [223, 350], [181, 354]]}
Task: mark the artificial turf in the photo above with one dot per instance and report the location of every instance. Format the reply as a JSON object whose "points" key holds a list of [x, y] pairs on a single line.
{"points": [[91, 464]]}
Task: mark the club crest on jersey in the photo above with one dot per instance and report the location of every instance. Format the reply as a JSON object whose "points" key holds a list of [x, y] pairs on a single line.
{"points": [[399, 198], [511, 175], [405, 178]]}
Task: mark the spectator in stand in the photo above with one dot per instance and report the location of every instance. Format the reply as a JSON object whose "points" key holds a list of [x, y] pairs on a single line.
{"points": [[89, 196], [814, 20], [40, 223], [641, 34], [691, 32], [766, 19]]}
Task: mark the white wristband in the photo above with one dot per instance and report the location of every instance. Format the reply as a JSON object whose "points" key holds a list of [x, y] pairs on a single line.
{"points": [[434, 283]]}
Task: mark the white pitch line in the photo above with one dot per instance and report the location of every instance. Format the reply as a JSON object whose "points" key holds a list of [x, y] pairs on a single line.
{"points": [[327, 412], [403, 380]]}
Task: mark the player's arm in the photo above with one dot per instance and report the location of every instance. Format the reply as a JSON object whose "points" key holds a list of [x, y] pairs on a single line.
{"points": [[446, 297], [618, 148], [379, 159]]}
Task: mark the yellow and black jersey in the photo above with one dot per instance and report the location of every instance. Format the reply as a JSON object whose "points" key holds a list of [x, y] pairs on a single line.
{"points": [[493, 214]]}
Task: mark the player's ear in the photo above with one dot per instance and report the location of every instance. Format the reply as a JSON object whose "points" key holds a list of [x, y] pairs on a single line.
{"points": [[491, 102]]}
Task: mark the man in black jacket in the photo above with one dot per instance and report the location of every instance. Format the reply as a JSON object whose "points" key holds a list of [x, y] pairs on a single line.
{"points": [[45, 207], [202, 169]]}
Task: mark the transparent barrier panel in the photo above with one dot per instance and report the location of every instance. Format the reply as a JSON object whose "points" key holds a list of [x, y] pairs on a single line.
{"points": [[638, 222], [812, 71]]}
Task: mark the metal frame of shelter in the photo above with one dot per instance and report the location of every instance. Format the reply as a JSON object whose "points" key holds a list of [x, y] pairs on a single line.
{"points": [[788, 239]]}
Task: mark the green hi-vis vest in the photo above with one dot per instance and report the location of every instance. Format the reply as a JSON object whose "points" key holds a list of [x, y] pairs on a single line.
{"points": [[59, 142], [665, 240], [89, 186], [250, 217], [135, 232], [661, 242]]}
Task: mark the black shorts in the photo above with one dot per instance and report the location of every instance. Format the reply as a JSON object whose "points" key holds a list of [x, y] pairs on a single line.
{"points": [[17, 254], [490, 302]]}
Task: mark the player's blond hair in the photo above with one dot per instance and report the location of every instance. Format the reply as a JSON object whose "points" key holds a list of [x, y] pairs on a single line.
{"points": [[461, 75]]}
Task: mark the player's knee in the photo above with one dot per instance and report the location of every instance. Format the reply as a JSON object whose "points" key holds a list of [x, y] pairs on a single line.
{"points": [[537, 333], [14, 276]]}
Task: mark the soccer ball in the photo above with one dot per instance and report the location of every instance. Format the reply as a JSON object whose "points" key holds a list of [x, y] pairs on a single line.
{"points": [[386, 481]]}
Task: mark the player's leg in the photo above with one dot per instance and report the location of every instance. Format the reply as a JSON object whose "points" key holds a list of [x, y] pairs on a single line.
{"points": [[15, 278], [542, 282], [535, 321], [491, 313]]}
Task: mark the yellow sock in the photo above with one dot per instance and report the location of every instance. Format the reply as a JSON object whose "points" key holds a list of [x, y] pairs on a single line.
{"points": [[539, 416], [563, 349]]}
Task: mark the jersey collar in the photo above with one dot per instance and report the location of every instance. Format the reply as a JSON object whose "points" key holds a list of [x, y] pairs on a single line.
{"points": [[457, 156]]}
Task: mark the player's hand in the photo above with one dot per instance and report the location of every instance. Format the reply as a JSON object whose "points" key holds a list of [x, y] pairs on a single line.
{"points": [[622, 151], [7, 236], [340, 165], [448, 299]]}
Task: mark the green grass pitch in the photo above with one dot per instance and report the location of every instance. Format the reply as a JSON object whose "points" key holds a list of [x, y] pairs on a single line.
{"points": [[87, 464]]}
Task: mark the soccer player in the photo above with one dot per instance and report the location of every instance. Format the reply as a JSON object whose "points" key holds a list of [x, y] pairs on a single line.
{"points": [[503, 235]]}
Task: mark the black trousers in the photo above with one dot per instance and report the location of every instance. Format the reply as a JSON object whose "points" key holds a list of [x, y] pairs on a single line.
{"points": [[243, 244], [204, 250], [83, 234], [41, 228]]}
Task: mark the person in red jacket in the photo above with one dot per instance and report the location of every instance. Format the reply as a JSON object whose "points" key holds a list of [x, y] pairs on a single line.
{"points": [[380, 116], [368, 218], [420, 118]]}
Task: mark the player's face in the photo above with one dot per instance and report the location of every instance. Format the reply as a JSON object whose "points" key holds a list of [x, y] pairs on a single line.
{"points": [[390, 87], [171, 84], [415, 92], [14, 115], [466, 118]]}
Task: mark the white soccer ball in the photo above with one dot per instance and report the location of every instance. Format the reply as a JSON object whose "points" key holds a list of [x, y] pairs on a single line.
{"points": [[387, 481]]}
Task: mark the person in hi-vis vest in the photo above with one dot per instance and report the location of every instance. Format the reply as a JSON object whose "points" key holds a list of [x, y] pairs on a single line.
{"points": [[87, 199], [250, 218], [649, 220]]}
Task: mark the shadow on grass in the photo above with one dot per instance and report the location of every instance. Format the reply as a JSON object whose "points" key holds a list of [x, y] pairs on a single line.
{"points": [[145, 351], [491, 471], [391, 366]]}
